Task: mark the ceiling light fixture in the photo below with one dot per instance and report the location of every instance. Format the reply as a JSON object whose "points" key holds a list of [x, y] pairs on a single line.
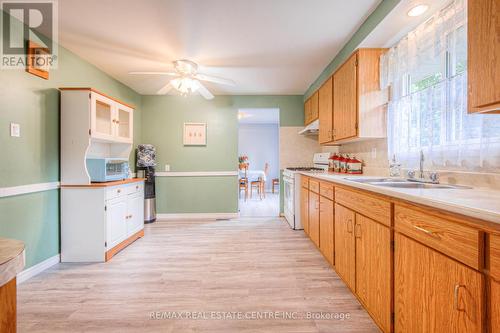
{"points": [[417, 10], [185, 85]]}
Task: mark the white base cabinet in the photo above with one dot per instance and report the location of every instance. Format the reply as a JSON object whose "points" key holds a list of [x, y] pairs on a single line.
{"points": [[94, 219]]}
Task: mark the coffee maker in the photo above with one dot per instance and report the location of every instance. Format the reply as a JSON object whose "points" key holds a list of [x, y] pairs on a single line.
{"points": [[146, 162]]}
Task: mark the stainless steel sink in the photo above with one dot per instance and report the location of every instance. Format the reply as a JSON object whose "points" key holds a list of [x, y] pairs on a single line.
{"points": [[403, 183]]}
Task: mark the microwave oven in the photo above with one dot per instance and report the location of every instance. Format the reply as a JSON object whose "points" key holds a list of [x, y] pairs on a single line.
{"points": [[107, 169]]}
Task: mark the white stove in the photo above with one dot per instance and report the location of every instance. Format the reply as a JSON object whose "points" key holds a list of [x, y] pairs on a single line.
{"points": [[291, 184]]}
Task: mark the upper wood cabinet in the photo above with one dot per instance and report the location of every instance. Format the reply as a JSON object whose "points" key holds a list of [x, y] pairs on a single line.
{"points": [[307, 112], [483, 56], [326, 111], [359, 106], [311, 111], [434, 293]]}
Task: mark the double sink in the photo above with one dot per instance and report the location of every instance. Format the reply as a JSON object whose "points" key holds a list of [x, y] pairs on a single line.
{"points": [[403, 183]]}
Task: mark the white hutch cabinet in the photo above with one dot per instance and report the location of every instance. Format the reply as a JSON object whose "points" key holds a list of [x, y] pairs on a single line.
{"points": [[97, 219]]}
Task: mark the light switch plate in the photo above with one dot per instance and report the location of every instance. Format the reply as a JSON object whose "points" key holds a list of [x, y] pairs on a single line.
{"points": [[167, 167], [15, 130], [374, 153]]}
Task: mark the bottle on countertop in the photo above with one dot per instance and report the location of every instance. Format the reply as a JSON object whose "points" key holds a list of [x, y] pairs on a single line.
{"points": [[394, 168]]}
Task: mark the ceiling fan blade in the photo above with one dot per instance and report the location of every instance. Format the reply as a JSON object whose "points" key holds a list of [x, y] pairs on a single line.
{"points": [[154, 73], [204, 91], [215, 79], [165, 89]]}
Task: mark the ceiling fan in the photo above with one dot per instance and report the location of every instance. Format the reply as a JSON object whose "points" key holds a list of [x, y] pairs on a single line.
{"points": [[186, 79]]}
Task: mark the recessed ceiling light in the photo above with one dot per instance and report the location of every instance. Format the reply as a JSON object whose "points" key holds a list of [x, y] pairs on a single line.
{"points": [[418, 10]]}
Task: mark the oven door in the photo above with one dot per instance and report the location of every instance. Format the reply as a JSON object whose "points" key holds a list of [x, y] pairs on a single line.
{"points": [[289, 204]]}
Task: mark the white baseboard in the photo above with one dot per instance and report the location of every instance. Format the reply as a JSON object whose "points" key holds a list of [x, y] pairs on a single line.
{"points": [[38, 268], [197, 216]]}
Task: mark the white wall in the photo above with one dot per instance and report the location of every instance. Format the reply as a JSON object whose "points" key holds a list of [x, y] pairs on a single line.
{"points": [[260, 142]]}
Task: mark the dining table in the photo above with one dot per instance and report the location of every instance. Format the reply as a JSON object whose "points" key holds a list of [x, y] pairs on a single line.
{"points": [[253, 175]]}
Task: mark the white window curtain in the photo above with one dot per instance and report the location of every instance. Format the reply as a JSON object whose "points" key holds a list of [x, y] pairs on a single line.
{"points": [[427, 73]]}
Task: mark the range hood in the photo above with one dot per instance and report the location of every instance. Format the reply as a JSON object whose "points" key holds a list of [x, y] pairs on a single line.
{"points": [[311, 129]]}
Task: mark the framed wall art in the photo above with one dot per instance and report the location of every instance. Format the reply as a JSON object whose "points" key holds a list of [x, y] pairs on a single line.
{"points": [[195, 134]]}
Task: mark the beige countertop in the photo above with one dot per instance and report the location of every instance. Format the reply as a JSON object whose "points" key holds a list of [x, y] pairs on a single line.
{"points": [[11, 259], [479, 203]]}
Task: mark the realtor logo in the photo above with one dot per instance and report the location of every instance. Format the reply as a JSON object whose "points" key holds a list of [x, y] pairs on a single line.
{"points": [[29, 34]]}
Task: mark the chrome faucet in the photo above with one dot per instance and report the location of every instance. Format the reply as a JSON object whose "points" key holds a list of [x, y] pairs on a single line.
{"points": [[433, 176]]}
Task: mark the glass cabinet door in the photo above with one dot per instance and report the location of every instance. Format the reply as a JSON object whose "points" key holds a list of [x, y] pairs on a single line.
{"points": [[102, 117], [124, 123]]}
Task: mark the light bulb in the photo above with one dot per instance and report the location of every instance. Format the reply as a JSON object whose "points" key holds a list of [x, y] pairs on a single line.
{"points": [[417, 10]]}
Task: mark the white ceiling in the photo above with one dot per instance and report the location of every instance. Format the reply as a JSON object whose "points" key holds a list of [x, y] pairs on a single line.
{"points": [[259, 116], [265, 46]]}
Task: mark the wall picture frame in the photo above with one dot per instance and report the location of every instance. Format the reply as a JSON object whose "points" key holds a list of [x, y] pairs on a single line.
{"points": [[195, 134], [37, 57]]}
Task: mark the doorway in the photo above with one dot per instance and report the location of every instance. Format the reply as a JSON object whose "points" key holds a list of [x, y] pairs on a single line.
{"points": [[258, 151]]}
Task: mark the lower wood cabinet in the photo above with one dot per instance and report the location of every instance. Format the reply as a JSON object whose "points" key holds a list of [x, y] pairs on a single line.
{"points": [[345, 259], [314, 217], [374, 269], [433, 293], [304, 209], [495, 306], [326, 228]]}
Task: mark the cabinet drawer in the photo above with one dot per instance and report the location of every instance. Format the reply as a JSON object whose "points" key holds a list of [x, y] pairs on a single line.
{"points": [[367, 205], [115, 192], [314, 185], [304, 181], [453, 239], [495, 256], [134, 188], [326, 190]]}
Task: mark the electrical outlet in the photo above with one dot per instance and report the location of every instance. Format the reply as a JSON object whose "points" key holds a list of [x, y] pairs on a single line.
{"points": [[167, 167], [15, 130], [374, 153]]}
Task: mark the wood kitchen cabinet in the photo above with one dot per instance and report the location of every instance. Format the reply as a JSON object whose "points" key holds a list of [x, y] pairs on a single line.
{"points": [[325, 108], [314, 106], [434, 293], [304, 208], [314, 218], [326, 228], [374, 269], [307, 112], [495, 306], [359, 106], [483, 56], [345, 260]]}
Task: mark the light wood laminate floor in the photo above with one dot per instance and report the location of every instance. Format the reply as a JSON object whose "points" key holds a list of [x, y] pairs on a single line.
{"points": [[245, 266], [256, 207]]}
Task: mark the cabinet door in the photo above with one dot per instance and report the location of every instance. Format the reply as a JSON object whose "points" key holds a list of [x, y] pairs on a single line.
{"points": [[495, 306], [102, 117], [373, 268], [304, 209], [315, 106], [345, 245], [345, 100], [326, 112], [116, 221], [307, 112], [326, 224], [483, 56], [314, 217], [124, 123], [135, 216], [434, 293]]}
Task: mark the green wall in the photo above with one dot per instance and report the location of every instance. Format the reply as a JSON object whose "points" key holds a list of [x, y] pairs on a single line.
{"points": [[384, 8], [163, 118], [34, 157]]}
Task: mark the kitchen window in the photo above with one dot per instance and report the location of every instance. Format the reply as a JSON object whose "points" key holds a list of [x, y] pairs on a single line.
{"points": [[427, 74]]}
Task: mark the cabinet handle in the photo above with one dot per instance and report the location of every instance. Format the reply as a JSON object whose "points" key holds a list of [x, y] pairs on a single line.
{"points": [[349, 223], [455, 296], [428, 232], [357, 227]]}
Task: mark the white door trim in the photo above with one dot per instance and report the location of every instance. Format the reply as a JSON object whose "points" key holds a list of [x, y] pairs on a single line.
{"points": [[25, 189]]}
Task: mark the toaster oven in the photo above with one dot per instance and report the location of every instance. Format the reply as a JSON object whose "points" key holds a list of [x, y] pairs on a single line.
{"points": [[107, 169]]}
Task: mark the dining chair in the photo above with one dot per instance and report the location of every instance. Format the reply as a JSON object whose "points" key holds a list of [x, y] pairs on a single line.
{"points": [[243, 182], [260, 183], [276, 182]]}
